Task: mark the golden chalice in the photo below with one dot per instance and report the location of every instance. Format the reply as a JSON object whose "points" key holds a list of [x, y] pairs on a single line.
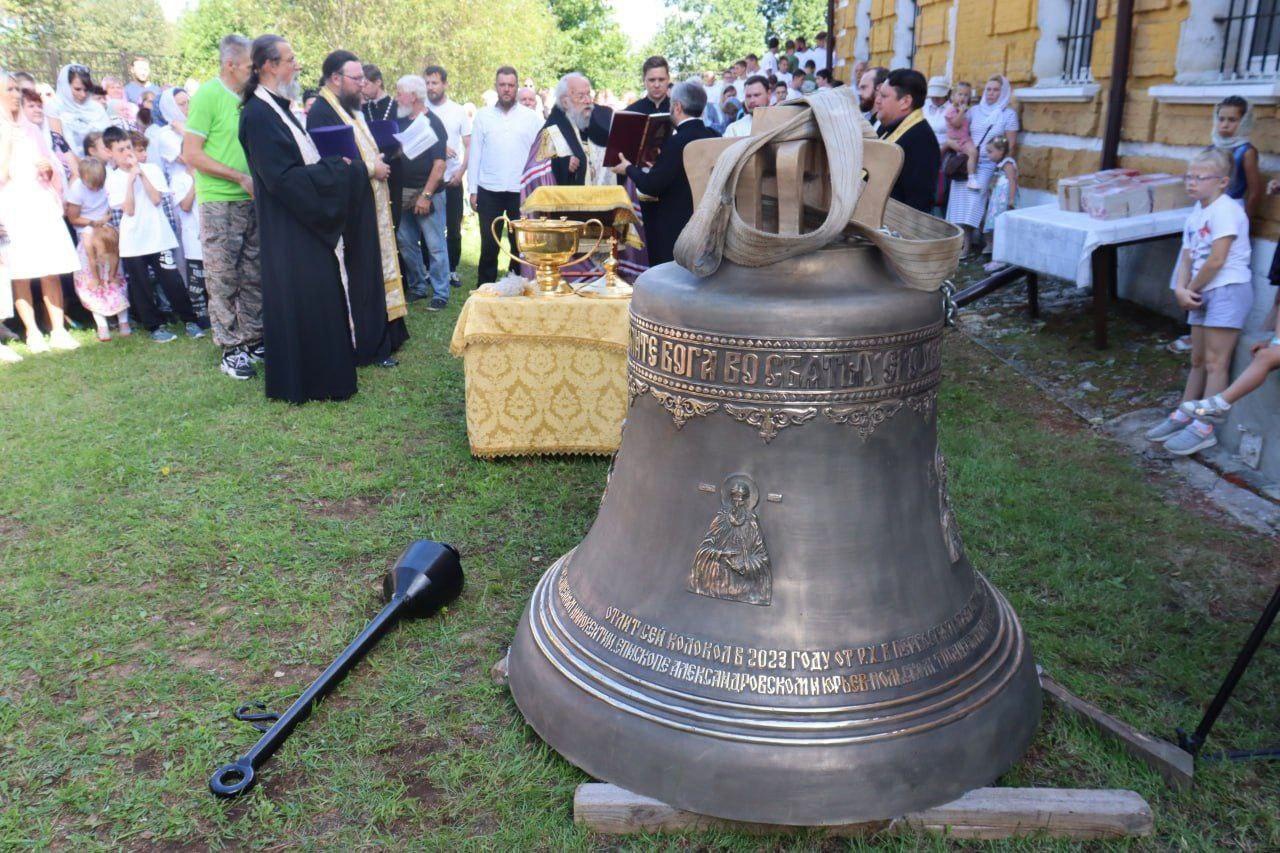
{"points": [[547, 245]]}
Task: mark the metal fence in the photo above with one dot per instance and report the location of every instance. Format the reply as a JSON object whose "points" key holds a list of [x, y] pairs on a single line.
{"points": [[44, 64]]}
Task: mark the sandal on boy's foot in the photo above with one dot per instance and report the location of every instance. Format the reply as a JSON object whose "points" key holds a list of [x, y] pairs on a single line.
{"points": [[8, 356], [1167, 428], [61, 339], [1210, 409], [37, 344], [1190, 440]]}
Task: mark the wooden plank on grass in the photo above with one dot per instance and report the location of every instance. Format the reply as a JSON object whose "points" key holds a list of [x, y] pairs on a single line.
{"points": [[1175, 766], [1078, 814], [984, 813], [611, 810]]}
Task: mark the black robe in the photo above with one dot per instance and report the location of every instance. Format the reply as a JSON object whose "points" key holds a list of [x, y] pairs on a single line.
{"points": [[597, 131], [376, 336], [301, 212], [646, 106], [667, 181], [917, 184]]}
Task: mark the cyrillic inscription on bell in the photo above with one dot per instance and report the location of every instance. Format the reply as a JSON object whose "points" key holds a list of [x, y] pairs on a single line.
{"points": [[772, 618]]}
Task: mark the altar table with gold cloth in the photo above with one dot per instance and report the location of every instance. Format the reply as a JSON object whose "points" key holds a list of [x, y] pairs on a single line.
{"points": [[543, 375]]}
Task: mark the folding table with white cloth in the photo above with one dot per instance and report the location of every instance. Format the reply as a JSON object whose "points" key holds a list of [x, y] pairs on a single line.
{"points": [[1046, 240]]}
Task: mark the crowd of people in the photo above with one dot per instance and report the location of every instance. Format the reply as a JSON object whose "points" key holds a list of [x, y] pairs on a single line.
{"points": [[210, 206]]}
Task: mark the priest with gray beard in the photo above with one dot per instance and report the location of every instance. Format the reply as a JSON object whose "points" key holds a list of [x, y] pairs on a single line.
{"points": [[561, 152]]}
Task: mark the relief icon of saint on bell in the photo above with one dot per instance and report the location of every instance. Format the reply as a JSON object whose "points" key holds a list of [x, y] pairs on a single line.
{"points": [[731, 561]]}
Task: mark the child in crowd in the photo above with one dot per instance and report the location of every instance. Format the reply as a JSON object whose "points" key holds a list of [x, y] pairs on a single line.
{"points": [[95, 148], [99, 283], [1232, 125], [1004, 192], [136, 189], [184, 200], [958, 138], [1214, 284]]}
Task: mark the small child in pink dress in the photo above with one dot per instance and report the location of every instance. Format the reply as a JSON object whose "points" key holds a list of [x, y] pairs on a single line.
{"points": [[958, 137]]}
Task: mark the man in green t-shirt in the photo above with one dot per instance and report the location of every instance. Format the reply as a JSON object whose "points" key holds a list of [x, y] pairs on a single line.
{"points": [[228, 222]]}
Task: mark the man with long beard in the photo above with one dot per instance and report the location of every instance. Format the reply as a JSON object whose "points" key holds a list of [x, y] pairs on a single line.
{"points": [[563, 152], [374, 288], [301, 204]]}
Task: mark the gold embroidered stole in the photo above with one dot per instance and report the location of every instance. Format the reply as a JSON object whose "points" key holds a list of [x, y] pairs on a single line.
{"points": [[912, 119], [391, 282]]}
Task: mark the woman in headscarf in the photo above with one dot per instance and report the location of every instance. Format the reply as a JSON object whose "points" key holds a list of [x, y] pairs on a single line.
{"points": [[33, 109], [1232, 126], [74, 112], [166, 135], [39, 247], [991, 117]]}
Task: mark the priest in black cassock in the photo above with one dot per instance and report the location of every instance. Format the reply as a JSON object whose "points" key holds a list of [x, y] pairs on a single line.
{"points": [[899, 103], [301, 202], [657, 88], [374, 287]]}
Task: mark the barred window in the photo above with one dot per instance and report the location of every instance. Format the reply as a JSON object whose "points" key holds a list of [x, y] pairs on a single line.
{"points": [[1251, 39], [1077, 44]]}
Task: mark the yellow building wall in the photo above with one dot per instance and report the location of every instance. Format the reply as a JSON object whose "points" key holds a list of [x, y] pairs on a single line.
{"points": [[999, 37]]}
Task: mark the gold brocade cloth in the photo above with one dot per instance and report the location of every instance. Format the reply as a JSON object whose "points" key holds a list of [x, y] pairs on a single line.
{"points": [[610, 204], [389, 250], [543, 375]]}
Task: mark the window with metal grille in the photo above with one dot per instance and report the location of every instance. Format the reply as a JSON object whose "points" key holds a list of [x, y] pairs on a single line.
{"points": [[1077, 44], [911, 34], [1250, 39]]}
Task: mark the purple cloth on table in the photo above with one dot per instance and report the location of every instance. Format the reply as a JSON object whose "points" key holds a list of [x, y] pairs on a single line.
{"points": [[336, 141]]}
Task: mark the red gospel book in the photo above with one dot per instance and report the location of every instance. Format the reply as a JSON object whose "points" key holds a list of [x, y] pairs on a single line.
{"points": [[636, 136]]}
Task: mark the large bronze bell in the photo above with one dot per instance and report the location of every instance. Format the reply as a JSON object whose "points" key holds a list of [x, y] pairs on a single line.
{"points": [[773, 618]]}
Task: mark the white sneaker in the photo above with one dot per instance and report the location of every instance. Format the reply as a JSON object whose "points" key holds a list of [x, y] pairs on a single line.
{"points": [[37, 344], [973, 183], [8, 356]]}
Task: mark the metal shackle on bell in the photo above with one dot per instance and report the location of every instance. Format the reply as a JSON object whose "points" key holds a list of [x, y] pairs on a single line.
{"points": [[773, 617]]}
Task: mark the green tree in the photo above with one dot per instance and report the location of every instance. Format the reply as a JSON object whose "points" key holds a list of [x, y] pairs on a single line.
{"points": [[401, 36], [591, 41], [702, 35], [30, 29], [804, 18]]}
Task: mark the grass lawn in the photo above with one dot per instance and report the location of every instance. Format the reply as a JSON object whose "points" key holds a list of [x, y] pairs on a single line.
{"points": [[172, 545]]}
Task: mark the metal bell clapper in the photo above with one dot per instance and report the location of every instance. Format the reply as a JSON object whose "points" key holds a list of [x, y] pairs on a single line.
{"points": [[427, 577]]}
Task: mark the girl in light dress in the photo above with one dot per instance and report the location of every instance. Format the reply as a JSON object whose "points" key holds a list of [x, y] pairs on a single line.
{"points": [[1004, 191], [100, 283]]}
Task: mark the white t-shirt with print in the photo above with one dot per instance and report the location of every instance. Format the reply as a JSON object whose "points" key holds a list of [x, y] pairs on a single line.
{"points": [[147, 231], [188, 220], [93, 203], [1223, 218]]}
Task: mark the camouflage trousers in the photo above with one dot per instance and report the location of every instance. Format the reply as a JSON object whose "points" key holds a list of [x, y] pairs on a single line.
{"points": [[229, 238]]}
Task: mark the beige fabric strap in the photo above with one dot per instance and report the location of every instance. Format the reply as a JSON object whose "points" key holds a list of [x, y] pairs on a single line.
{"points": [[717, 230]]}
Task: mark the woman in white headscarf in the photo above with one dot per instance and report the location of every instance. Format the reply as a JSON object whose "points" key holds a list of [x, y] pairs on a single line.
{"points": [[39, 247], [167, 135], [991, 117], [74, 112]]}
